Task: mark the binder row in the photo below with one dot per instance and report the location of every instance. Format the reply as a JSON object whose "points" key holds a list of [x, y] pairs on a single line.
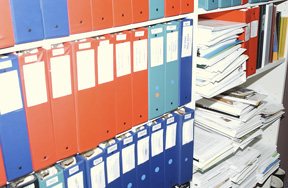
{"points": [[214, 4], [157, 154], [67, 99], [44, 19]]}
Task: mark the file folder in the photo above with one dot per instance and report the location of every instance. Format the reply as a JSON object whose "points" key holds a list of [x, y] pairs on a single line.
{"points": [[140, 11], [171, 60], [123, 81], [142, 156], [94, 166], [171, 150], [127, 142], [113, 165], [6, 27], [55, 18], [106, 108], [156, 9], [122, 12], [29, 180], [186, 6], [185, 60], [157, 155], [186, 144], [62, 99], [27, 21], [224, 3], [74, 171], [84, 66], [208, 4], [102, 14], [80, 16], [51, 177], [15, 152], [3, 179], [34, 78], [156, 71], [171, 8], [139, 41]]}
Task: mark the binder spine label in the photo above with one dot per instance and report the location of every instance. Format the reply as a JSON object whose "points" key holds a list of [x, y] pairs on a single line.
{"points": [[121, 37], [113, 167], [52, 181], [186, 23], [30, 59], [112, 148], [156, 31], [143, 150], [97, 161], [157, 143], [140, 57], [187, 132], [105, 63], [139, 34], [254, 29], [187, 116], [123, 59], [128, 158], [156, 127], [171, 136], [73, 170], [171, 27], [128, 140], [170, 120], [172, 46], [156, 51], [84, 45], [77, 180], [142, 133], [5, 64], [98, 175], [247, 32], [104, 43], [187, 41]]}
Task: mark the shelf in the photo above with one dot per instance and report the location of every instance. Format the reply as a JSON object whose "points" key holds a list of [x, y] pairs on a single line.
{"points": [[267, 67], [49, 42], [202, 11]]}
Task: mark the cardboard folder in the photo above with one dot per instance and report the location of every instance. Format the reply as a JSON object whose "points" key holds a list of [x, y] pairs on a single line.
{"points": [[139, 41], [36, 92], [62, 99], [172, 8], [102, 14], [122, 12], [186, 6], [140, 11], [6, 28], [156, 9]]}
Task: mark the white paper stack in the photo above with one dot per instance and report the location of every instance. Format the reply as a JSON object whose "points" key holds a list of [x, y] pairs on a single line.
{"points": [[220, 63]]}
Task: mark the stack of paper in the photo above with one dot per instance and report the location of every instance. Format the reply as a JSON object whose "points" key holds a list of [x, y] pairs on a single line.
{"points": [[271, 113], [220, 63]]}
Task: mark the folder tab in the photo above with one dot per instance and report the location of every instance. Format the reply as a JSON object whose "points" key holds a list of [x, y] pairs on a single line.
{"points": [[6, 28], [140, 11], [62, 99], [122, 12], [3, 179], [27, 21], [186, 6], [156, 9], [139, 41], [15, 152], [102, 14], [26, 181], [172, 8], [55, 18], [80, 17], [34, 78], [51, 177]]}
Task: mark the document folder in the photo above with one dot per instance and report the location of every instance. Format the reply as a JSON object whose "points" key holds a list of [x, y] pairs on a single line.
{"points": [[122, 12], [142, 156], [140, 11], [157, 155], [102, 14], [35, 86], [74, 171], [27, 21], [185, 61], [171, 60], [139, 41], [186, 144], [106, 88], [171, 150], [51, 177], [84, 66], [95, 169], [171, 8], [80, 17], [123, 81], [113, 165], [156, 71], [3, 179], [6, 27], [29, 180], [55, 18], [186, 6], [208, 4], [62, 99], [156, 9], [16, 152]]}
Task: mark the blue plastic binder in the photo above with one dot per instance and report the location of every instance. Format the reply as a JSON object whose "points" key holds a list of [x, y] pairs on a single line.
{"points": [[142, 156], [157, 132], [171, 59], [224, 3], [27, 21], [156, 71], [55, 18], [13, 127], [235, 2], [185, 61], [47, 179], [208, 4], [156, 9]]}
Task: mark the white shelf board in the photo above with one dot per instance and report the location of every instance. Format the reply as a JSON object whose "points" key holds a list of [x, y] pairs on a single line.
{"points": [[202, 11], [267, 67], [48, 42]]}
